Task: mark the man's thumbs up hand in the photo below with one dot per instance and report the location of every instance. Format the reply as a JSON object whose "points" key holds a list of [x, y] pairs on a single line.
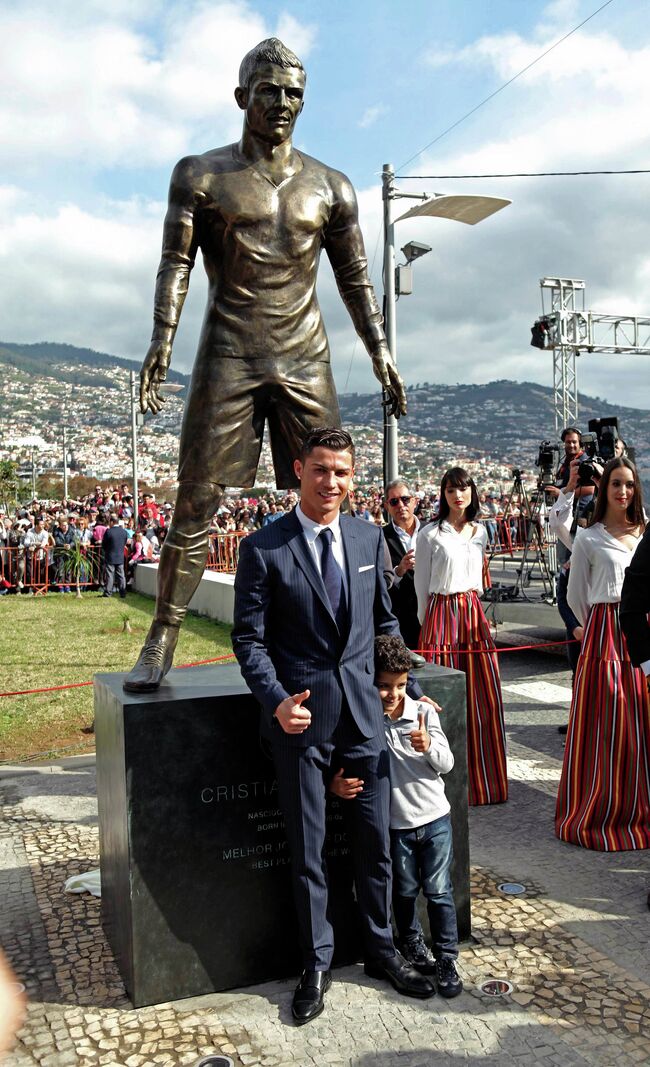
{"points": [[293, 718]]}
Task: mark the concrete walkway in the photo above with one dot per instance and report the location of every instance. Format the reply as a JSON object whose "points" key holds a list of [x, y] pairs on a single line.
{"points": [[574, 946]]}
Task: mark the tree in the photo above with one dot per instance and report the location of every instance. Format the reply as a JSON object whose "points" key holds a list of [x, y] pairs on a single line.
{"points": [[9, 482]]}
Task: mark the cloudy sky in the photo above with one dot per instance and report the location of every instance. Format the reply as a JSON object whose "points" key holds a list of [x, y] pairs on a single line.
{"points": [[99, 99]]}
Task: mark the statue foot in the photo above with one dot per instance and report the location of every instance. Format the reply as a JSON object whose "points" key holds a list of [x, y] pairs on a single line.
{"points": [[154, 660], [417, 661]]}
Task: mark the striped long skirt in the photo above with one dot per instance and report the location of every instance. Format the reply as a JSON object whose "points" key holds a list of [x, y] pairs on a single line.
{"points": [[604, 797], [454, 626]]}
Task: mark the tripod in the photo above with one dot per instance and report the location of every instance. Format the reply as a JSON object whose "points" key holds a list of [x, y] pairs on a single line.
{"points": [[534, 553]]}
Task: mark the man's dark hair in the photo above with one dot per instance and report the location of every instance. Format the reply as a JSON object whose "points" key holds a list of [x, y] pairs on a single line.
{"points": [[459, 478], [567, 430], [326, 437], [391, 655], [269, 51]]}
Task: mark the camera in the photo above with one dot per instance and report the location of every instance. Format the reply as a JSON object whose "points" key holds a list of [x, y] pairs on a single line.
{"points": [[547, 457], [599, 445]]}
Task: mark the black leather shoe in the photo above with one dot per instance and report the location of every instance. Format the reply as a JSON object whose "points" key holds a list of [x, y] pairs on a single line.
{"points": [[309, 998], [404, 978], [154, 661]]}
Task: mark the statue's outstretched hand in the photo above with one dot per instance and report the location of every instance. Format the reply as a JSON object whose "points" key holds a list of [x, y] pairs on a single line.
{"points": [[386, 372], [153, 374]]}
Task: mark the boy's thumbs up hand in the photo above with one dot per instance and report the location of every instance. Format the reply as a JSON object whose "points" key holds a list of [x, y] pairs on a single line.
{"points": [[420, 738]]}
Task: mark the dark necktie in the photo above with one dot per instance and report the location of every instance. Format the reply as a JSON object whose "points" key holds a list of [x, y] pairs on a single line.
{"points": [[332, 578]]}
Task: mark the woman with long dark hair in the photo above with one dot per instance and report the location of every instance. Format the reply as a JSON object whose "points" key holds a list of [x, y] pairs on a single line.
{"points": [[604, 796], [455, 633]]}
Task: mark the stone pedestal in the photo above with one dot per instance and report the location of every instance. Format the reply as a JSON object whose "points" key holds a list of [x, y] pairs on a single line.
{"points": [[196, 895]]}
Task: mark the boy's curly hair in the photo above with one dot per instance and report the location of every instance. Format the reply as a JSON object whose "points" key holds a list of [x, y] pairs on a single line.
{"points": [[392, 655]]}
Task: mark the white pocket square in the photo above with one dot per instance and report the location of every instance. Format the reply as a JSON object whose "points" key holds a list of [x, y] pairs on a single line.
{"points": [[368, 567]]}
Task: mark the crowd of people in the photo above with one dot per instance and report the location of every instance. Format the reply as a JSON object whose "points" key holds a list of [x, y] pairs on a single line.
{"points": [[35, 536]]}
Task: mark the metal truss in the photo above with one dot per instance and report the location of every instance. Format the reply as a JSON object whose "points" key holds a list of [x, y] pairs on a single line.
{"points": [[570, 330]]}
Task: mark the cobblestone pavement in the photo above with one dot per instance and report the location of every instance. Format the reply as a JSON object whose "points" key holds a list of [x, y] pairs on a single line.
{"points": [[574, 946]]}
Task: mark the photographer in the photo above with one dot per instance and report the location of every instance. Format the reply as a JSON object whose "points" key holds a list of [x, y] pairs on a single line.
{"points": [[563, 520], [573, 449]]}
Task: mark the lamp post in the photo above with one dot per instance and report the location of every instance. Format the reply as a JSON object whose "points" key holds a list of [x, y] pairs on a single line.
{"points": [[65, 463], [460, 207]]}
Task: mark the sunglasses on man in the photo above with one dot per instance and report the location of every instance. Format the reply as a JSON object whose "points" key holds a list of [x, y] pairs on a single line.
{"points": [[395, 500]]}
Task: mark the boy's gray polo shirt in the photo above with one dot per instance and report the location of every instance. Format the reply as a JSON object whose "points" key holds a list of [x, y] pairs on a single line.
{"points": [[417, 790]]}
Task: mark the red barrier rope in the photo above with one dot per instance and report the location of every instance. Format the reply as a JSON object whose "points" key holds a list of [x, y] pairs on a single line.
{"points": [[79, 685], [487, 651]]}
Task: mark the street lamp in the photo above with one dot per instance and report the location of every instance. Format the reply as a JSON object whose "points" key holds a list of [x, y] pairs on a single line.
{"points": [[460, 207], [137, 420]]}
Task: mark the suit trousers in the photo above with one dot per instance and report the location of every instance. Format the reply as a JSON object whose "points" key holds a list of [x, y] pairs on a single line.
{"points": [[303, 775]]}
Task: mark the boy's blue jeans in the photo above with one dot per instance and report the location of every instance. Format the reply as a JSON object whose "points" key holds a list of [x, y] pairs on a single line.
{"points": [[422, 861]]}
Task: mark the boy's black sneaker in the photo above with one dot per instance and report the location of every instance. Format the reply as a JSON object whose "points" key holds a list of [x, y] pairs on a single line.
{"points": [[416, 952], [447, 978]]}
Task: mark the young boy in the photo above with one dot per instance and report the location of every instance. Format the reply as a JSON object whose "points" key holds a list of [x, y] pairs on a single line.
{"points": [[420, 825]]}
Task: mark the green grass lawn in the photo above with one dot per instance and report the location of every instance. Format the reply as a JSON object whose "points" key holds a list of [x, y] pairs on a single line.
{"points": [[58, 639]]}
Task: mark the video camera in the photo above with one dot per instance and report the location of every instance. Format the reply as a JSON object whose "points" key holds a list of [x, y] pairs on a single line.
{"points": [[599, 446], [547, 458]]}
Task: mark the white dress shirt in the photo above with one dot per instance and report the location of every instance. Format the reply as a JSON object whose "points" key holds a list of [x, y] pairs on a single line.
{"points": [[598, 565], [446, 562], [407, 540], [311, 531]]}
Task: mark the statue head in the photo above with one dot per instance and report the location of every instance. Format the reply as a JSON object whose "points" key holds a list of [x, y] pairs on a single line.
{"points": [[270, 91]]}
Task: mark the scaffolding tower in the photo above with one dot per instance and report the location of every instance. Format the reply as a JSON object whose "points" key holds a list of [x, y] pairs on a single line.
{"points": [[569, 330]]}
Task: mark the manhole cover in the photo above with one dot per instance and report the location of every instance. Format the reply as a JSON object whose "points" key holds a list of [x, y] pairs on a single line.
{"points": [[512, 889], [496, 987], [215, 1061]]}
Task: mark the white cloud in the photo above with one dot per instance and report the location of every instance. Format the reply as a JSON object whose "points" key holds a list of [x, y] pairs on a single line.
{"points": [[477, 295], [371, 114], [102, 91]]}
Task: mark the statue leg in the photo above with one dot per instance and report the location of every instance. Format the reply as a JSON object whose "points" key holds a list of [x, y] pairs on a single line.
{"points": [[182, 562]]}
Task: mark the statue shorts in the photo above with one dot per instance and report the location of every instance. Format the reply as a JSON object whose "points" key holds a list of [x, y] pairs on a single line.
{"points": [[229, 401]]}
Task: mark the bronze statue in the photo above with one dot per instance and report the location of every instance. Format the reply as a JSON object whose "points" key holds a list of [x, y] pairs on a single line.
{"points": [[260, 212]]}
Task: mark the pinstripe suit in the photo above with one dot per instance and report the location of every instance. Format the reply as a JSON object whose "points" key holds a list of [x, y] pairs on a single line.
{"points": [[286, 640]]}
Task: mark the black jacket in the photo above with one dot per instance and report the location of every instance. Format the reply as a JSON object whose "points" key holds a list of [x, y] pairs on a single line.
{"points": [[402, 595], [635, 603]]}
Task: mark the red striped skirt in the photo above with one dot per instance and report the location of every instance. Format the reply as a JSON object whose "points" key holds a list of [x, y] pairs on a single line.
{"points": [[604, 797], [454, 626]]}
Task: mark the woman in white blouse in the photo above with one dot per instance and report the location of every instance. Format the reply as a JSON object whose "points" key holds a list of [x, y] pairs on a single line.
{"points": [[604, 795], [455, 632]]}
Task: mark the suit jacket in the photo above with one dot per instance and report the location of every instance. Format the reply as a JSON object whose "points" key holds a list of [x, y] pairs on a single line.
{"points": [[285, 636], [402, 595], [113, 544], [635, 603]]}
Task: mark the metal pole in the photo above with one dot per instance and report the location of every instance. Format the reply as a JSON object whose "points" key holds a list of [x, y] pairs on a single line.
{"points": [[390, 422], [65, 463], [134, 447], [33, 477]]}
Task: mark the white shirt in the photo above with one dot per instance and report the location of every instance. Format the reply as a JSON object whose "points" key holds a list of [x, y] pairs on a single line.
{"points": [[407, 540], [312, 529], [560, 518], [598, 565], [448, 563]]}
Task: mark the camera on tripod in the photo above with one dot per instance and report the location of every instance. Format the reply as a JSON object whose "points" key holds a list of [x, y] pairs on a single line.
{"points": [[547, 458], [599, 446]]}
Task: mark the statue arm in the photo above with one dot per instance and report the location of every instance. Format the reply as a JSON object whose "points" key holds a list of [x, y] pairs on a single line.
{"points": [[172, 282], [344, 246]]}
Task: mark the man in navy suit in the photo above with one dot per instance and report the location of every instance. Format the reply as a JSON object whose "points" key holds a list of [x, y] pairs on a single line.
{"points": [[310, 597]]}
